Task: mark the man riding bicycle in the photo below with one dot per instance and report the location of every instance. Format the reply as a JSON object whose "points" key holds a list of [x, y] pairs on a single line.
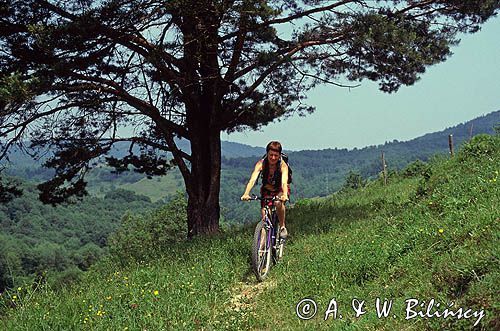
{"points": [[274, 182]]}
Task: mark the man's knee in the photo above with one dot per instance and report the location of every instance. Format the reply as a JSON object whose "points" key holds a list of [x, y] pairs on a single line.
{"points": [[280, 206]]}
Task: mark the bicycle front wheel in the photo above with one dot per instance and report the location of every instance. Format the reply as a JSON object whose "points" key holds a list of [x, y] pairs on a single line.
{"points": [[261, 251]]}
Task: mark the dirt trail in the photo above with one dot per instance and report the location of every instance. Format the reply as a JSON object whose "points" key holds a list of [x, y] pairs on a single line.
{"points": [[244, 293]]}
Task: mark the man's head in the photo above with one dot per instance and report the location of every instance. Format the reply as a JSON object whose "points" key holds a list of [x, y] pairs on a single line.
{"points": [[273, 150], [274, 145]]}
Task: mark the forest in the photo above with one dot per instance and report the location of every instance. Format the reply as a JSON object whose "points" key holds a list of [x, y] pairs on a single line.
{"points": [[42, 241]]}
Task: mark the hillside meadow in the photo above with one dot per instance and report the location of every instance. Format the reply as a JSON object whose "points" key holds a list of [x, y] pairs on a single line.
{"points": [[425, 243]]}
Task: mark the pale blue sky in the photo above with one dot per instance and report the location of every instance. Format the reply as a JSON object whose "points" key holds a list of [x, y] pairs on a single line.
{"points": [[465, 86]]}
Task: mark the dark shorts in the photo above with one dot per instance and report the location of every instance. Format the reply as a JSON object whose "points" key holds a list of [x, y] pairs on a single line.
{"points": [[269, 194]]}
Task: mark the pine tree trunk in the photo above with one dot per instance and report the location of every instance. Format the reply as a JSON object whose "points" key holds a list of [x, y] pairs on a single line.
{"points": [[203, 209], [203, 101]]}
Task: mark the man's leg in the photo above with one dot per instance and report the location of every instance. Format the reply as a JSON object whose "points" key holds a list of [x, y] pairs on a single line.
{"points": [[280, 209]]}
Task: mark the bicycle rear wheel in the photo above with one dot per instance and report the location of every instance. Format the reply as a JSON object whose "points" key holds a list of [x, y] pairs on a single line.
{"points": [[261, 251]]}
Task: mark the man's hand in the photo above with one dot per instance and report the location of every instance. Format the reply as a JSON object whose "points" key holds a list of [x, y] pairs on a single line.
{"points": [[284, 197], [245, 197]]}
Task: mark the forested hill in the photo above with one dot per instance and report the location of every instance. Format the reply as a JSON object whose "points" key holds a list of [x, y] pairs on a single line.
{"points": [[321, 172], [63, 240]]}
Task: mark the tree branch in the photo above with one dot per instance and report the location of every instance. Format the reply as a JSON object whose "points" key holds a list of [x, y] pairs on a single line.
{"points": [[287, 57], [135, 43], [141, 105], [36, 117], [179, 161], [416, 5], [291, 17], [238, 47]]}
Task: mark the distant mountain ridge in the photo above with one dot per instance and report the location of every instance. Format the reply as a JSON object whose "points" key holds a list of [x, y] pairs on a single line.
{"points": [[230, 150], [463, 131]]}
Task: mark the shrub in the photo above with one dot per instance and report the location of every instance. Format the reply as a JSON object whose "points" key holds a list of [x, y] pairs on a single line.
{"points": [[353, 181], [126, 195], [479, 146], [416, 168], [142, 236], [66, 278]]}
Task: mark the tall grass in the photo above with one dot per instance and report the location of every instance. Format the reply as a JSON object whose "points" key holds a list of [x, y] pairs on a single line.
{"points": [[434, 235]]}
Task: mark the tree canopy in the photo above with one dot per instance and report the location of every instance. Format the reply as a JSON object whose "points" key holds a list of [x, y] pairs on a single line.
{"points": [[78, 76]]}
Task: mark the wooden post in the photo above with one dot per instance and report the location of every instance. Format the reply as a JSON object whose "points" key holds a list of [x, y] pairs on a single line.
{"points": [[450, 143], [384, 169]]}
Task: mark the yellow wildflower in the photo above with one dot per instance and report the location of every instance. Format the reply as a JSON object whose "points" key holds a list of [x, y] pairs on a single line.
{"points": [[156, 292], [441, 230]]}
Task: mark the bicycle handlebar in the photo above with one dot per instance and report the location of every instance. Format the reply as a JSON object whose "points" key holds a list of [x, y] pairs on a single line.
{"points": [[255, 197]]}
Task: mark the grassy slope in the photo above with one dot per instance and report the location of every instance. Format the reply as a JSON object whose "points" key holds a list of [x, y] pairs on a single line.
{"points": [[385, 242], [156, 188]]}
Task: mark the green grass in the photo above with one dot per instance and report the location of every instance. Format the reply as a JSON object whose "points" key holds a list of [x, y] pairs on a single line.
{"points": [[156, 188], [434, 236]]}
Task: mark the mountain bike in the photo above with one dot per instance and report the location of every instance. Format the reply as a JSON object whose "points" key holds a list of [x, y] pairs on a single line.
{"points": [[267, 245]]}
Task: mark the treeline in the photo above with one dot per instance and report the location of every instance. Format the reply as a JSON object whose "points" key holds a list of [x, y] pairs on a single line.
{"points": [[41, 241]]}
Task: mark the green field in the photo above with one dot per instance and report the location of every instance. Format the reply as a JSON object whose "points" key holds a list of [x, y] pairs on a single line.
{"points": [[431, 233]]}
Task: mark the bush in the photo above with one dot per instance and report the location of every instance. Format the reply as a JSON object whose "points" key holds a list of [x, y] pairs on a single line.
{"points": [[353, 181], [416, 168], [479, 146], [126, 195], [66, 278], [142, 236]]}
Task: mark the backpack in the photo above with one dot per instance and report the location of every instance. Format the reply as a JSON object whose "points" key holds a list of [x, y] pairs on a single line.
{"points": [[284, 157]]}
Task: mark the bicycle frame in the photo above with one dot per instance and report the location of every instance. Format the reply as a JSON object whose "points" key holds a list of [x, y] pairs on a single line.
{"points": [[271, 222], [270, 248]]}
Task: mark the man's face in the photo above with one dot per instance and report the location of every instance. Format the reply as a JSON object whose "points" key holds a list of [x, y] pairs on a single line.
{"points": [[273, 156]]}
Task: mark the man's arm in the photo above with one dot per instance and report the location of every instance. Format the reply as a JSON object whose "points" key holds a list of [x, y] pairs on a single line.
{"points": [[253, 178], [284, 181]]}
